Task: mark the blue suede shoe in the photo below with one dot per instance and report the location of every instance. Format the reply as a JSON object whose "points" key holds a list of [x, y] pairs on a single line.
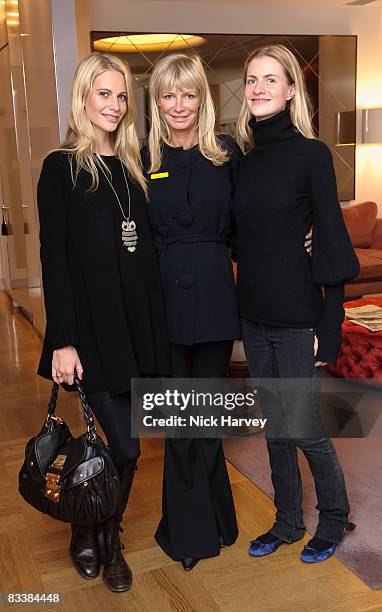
{"points": [[259, 549], [312, 555]]}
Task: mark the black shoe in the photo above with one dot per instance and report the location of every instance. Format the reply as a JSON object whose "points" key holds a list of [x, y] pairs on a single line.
{"points": [[189, 563], [221, 542], [84, 551]]}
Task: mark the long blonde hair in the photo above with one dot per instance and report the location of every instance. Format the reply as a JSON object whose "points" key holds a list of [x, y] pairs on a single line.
{"points": [[80, 140], [300, 104], [182, 71]]}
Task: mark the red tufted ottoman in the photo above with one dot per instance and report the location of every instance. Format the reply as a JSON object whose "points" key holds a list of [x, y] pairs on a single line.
{"points": [[361, 350]]}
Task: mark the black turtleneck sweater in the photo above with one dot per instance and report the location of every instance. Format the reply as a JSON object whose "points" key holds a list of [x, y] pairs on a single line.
{"points": [[287, 184]]}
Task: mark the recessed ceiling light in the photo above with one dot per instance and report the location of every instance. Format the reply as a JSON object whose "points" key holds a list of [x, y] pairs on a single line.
{"points": [[136, 43], [359, 2]]}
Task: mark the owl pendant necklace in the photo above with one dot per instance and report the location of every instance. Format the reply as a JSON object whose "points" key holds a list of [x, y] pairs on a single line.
{"points": [[128, 226]]}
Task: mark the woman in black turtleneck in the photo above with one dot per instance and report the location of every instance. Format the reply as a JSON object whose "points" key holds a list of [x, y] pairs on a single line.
{"points": [[290, 303]]}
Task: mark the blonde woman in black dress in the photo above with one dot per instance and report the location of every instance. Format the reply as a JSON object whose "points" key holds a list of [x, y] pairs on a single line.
{"points": [[103, 297]]}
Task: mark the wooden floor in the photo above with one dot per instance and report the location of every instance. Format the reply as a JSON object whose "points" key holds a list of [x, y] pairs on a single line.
{"points": [[33, 548]]}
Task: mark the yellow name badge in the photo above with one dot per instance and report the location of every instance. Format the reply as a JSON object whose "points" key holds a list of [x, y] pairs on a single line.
{"points": [[159, 175]]}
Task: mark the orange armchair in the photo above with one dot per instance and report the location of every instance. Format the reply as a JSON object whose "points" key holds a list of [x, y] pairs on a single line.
{"points": [[365, 231]]}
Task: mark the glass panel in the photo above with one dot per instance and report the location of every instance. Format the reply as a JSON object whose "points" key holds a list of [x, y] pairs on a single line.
{"points": [[13, 247], [29, 296], [41, 117]]}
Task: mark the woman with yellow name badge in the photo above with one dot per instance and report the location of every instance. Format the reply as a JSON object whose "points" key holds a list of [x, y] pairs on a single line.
{"points": [[191, 174]]}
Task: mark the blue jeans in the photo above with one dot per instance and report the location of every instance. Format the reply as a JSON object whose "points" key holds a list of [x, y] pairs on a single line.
{"points": [[281, 353]]}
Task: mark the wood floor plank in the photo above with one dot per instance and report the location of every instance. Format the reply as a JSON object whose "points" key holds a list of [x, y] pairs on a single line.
{"points": [[18, 570], [166, 589]]}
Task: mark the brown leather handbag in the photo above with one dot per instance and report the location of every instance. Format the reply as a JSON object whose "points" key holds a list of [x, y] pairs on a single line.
{"points": [[70, 479]]}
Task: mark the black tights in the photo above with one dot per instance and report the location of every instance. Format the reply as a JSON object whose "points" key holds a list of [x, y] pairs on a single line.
{"points": [[114, 416]]}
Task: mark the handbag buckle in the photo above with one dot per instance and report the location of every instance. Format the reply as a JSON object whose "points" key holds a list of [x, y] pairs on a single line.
{"points": [[52, 488], [92, 436], [59, 461], [53, 417]]}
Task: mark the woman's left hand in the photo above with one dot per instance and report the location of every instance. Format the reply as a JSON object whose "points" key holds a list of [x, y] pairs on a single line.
{"points": [[318, 364], [308, 241]]}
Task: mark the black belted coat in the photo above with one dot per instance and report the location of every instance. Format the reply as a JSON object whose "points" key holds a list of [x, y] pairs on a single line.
{"points": [[189, 213]]}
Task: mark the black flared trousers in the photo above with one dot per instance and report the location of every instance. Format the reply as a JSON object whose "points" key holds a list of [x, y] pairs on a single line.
{"points": [[197, 501]]}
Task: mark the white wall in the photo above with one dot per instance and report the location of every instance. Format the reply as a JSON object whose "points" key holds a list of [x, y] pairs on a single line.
{"points": [[169, 16]]}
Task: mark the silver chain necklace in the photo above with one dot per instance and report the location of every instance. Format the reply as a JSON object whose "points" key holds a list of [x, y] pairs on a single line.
{"points": [[129, 232]]}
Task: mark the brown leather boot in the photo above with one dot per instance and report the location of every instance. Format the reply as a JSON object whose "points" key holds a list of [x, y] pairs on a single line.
{"points": [[117, 575], [84, 551]]}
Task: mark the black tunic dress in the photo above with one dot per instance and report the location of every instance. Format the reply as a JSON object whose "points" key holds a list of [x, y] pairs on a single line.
{"points": [[99, 297], [189, 212]]}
